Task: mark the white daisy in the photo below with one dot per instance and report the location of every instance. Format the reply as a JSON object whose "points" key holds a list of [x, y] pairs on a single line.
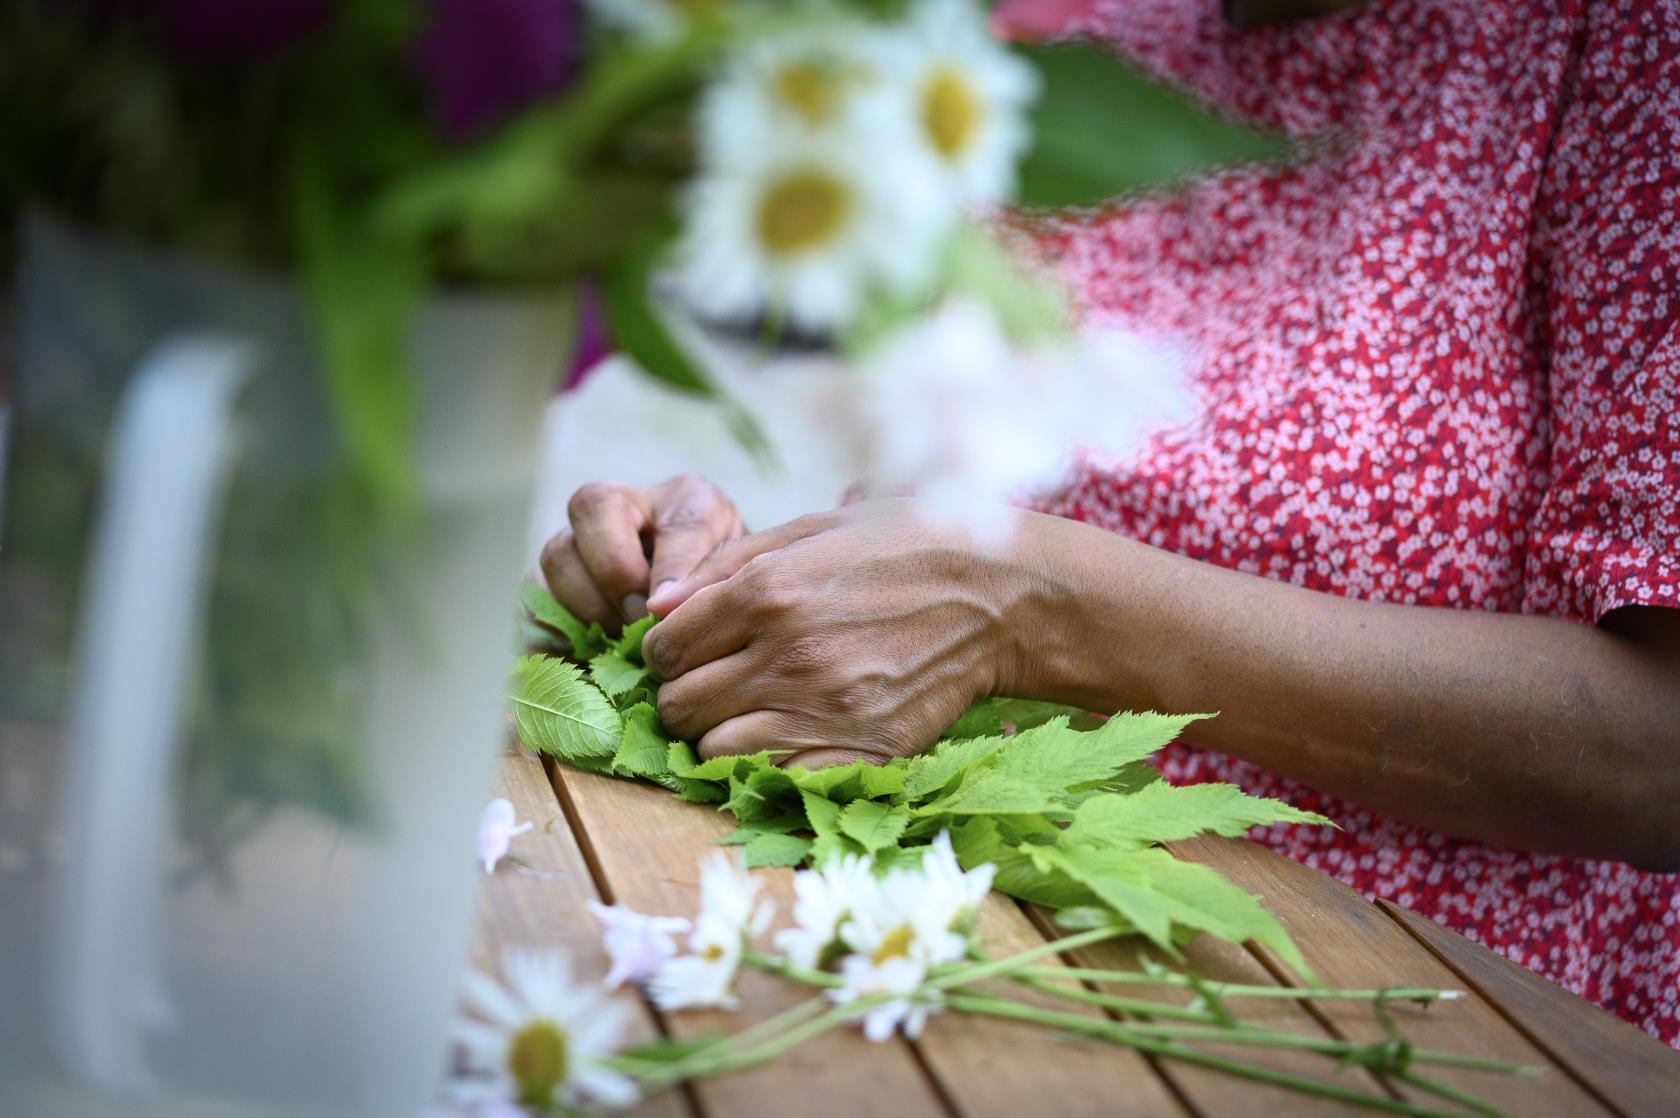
{"points": [[902, 918], [969, 95], [960, 892], [814, 190], [823, 900], [637, 944], [539, 1041], [730, 917], [496, 829], [898, 975]]}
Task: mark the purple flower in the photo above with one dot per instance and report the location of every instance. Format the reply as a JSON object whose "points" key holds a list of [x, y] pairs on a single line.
{"points": [[593, 344], [485, 59]]}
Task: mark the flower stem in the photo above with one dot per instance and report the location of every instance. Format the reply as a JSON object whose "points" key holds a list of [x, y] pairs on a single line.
{"points": [[1124, 1034], [963, 976], [1237, 990], [1113, 1001], [788, 970]]}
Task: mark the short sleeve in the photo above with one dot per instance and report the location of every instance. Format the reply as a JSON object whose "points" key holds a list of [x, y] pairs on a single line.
{"points": [[1605, 269]]}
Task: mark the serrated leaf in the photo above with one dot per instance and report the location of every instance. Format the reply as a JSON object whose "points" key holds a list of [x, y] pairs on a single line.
{"points": [[558, 712], [978, 721], [755, 794], [977, 841], [832, 846], [722, 767], [985, 792], [772, 849], [615, 675], [933, 770], [629, 642], [858, 780], [1154, 891], [644, 750], [822, 813], [1024, 714], [586, 640], [1134, 735], [875, 826], [779, 825], [698, 791], [1162, 813]]}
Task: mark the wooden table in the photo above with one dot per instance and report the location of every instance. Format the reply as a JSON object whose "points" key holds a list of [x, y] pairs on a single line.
{"points": [[600, 838]]}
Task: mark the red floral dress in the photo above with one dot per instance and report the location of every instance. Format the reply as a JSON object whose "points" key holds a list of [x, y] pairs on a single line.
{"points": [[1440, 366]]}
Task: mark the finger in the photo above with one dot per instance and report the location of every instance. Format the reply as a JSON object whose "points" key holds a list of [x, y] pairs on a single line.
{"points": [[607, 523], [711, 694], [571, 583], [748, 733], [690, 518], [709, 627], [727, 559], [823, 758], [1029, 21]]}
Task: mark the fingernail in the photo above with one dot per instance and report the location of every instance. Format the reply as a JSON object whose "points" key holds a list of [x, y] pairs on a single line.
{"points": [[662, 587], [634, 606]]}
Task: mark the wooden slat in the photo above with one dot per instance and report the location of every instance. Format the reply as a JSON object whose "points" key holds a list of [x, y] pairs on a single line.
{"points": [[540, 903], [1634, 1072], [647, 845], [1009, 1069], [1350, 943], [1216, 1094]]}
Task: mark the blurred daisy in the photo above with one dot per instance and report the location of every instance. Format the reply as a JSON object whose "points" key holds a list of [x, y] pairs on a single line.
{"points": [[731, 916], [823, 899], [959, 892], [496, 829], [969, 95], [540, 1041], [638, 945], [898, 977], [902, 918]]}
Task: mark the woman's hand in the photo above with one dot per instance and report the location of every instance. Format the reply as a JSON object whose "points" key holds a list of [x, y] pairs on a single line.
{"points": [[625, 544], [858, 633]]}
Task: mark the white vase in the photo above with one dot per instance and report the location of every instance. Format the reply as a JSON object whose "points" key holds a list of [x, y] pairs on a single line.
{"points": [[238, 790]]}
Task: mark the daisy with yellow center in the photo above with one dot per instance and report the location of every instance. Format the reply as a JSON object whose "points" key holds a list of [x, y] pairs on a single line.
{"points": [[731, 915], [539, 1041], [968, 96]]}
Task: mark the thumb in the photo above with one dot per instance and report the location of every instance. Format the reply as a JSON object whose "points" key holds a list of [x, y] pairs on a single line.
{"points": [[724, 560], [680, 543]]}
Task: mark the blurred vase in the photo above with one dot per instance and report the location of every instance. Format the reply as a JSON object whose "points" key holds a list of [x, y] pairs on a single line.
{"points": [[244, 739]]}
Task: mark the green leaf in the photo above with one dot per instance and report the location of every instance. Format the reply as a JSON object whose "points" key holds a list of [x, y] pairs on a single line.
{"points": [[586, 640], [858, 780], [1162, 813], [979, 840], [778, 825], [933, 770], [978, 721], [615, 675], [1155, 891], [1024, 714], [1076, 160], [1053, 755], [875, 826], [753, 793], [645, 751], [772, 849], [722, 767], [822, 813], [560, 713], [629, 642], [985, 792], [831, 846], [1133, 735]]}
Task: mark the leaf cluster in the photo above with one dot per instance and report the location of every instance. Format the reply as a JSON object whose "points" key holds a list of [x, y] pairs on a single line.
{"points": [[1064, 804]]}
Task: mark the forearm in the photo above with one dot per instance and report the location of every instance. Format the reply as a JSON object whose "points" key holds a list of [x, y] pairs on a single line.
{"points": [[1528, 731]]}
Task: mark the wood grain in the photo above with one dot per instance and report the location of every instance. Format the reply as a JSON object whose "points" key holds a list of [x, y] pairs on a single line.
{"points": [[537, 897], [1350, 943], [647, 846], [1636, 1074]]}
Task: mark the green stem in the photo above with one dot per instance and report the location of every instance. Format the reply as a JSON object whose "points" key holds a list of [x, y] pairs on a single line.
{"points": [[963, 976], [1114, 1001], [788, 970], [1238, 990], [1469, 1102], [1124, 1034]]}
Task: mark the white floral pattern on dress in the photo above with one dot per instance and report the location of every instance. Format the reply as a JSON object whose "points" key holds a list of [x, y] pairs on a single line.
{"points": [[1440, 365]]}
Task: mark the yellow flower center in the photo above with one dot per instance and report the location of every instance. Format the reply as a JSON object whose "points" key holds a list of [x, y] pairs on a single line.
{"points": [[711, 953], [801, 210], [951, 112], [895, 944], [810, 89], [537, 1059]]}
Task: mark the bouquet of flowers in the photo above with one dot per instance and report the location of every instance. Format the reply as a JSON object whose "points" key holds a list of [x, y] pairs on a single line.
{"points": [[821, 168]]}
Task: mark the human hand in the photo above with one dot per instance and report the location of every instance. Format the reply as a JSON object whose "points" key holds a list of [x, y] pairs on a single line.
{"points": [[863, 632], [624, 544]]}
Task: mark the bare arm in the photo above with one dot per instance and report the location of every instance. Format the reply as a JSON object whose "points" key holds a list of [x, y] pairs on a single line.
{"points": [[1533, 732]]}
